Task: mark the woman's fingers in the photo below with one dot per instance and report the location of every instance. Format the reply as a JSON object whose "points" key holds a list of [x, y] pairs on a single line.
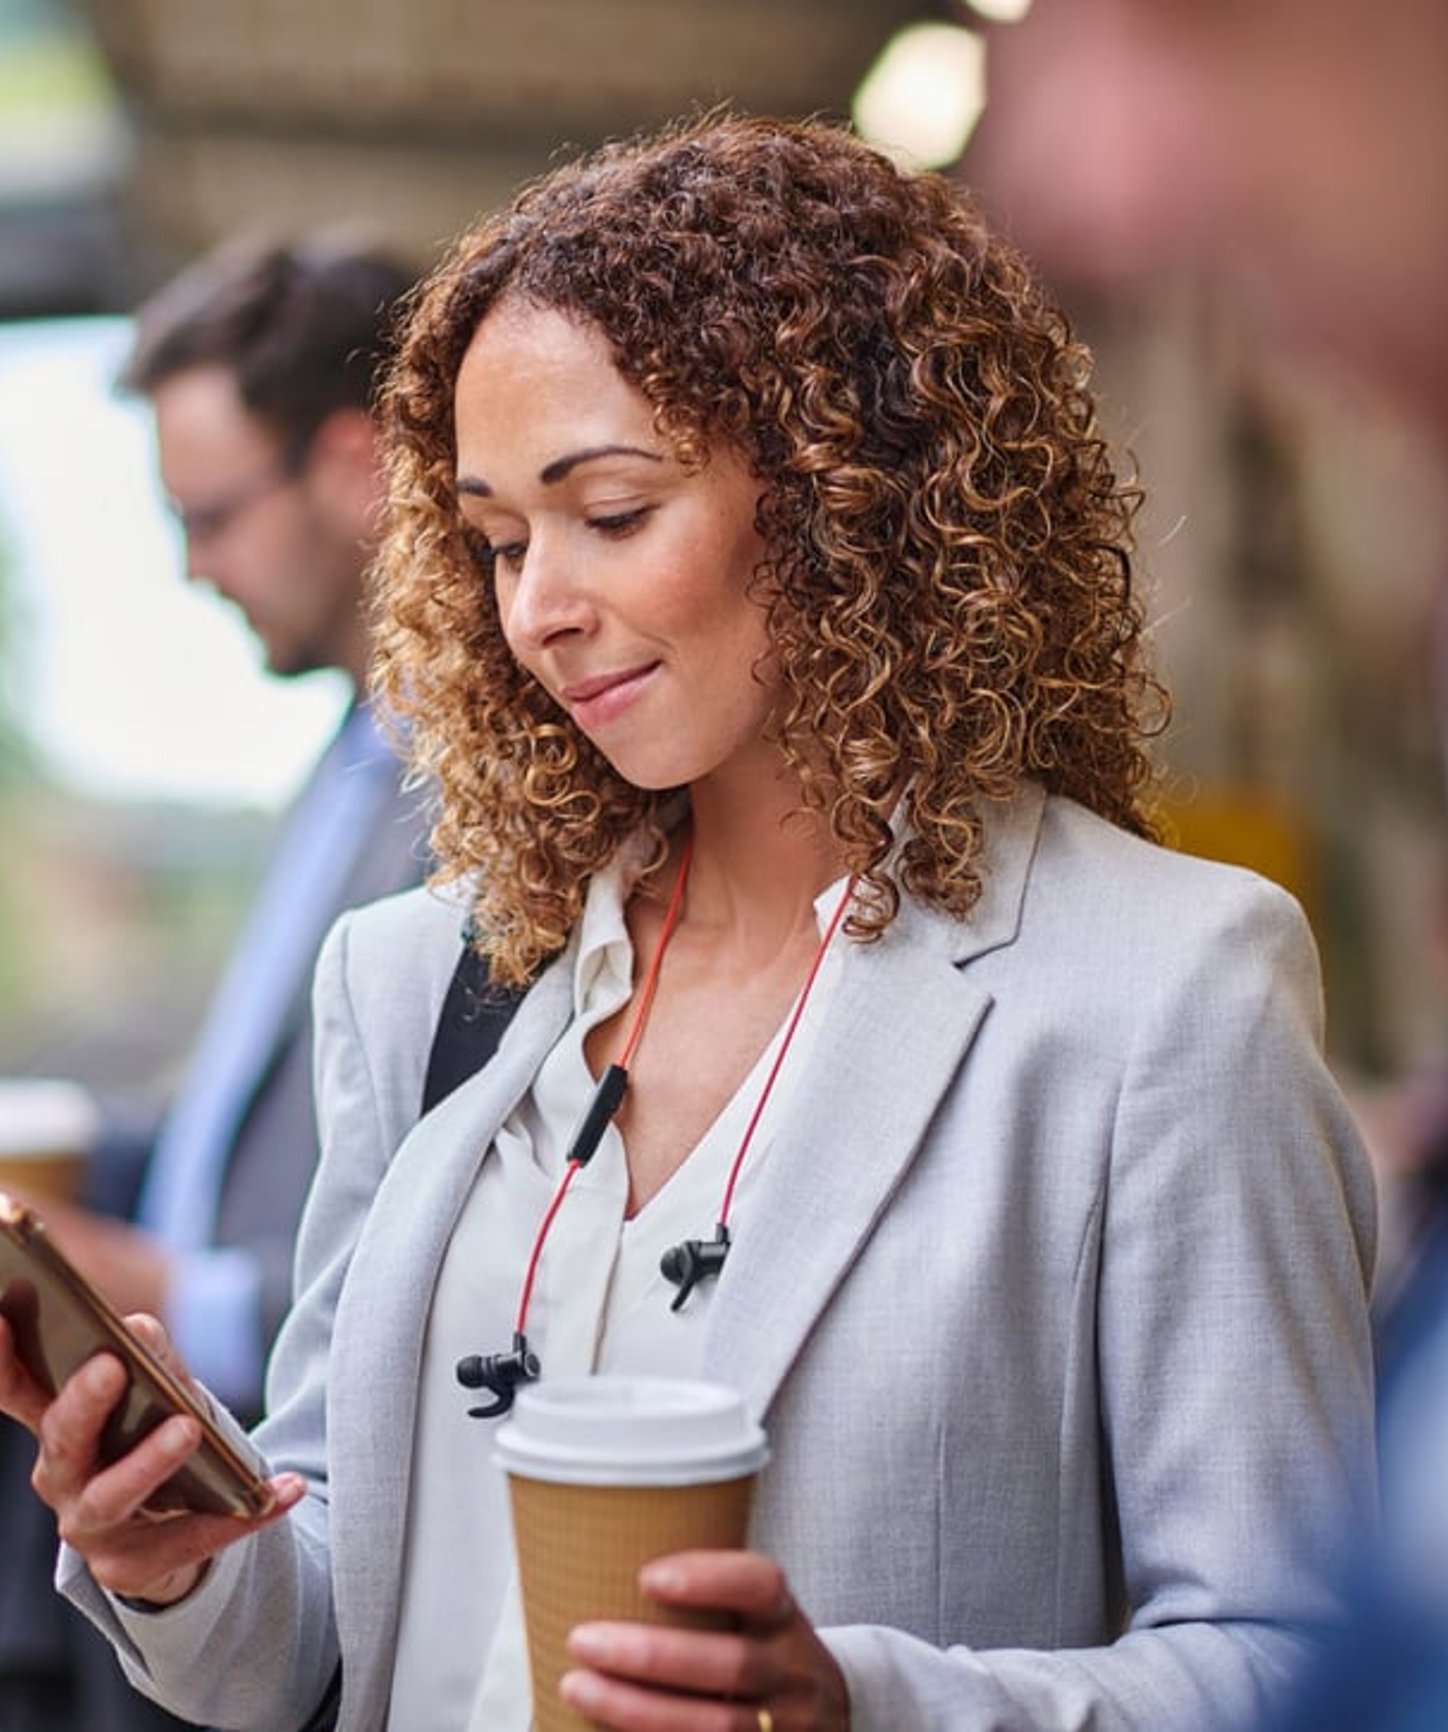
{"points": [[97, 1498], [21, 1397], [71, 1425], [152, 1334], [748, 1584], [103, 1510], [161, 1557], [713, 1663], [639, 1677], [606, 1701]]}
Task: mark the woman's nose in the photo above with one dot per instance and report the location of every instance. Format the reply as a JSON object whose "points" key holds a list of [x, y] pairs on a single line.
{"points": [[543, 600]]}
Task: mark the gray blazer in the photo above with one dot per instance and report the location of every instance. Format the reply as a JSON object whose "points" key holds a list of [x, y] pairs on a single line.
{"points": [[44, 1647], [1053, 1303]]}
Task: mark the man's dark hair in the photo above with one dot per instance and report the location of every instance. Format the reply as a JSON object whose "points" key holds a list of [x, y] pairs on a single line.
{"points": [[306, 328]]}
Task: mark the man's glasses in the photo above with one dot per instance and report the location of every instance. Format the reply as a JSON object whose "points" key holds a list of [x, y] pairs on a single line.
{"points": [[203, 523]]}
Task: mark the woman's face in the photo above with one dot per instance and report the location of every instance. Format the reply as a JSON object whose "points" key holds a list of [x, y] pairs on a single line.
{"points": [[622, 580]]}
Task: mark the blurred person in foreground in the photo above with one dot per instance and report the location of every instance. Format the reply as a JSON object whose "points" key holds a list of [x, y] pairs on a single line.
{"points": [[758, 590], [1294, 154], [260, 364]]}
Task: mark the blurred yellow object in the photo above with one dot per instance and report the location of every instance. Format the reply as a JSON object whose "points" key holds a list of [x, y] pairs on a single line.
{"points": [[1247, 828]]}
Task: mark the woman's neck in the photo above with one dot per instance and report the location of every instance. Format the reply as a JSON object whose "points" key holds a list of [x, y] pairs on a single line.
{"points": [[758, 864]]}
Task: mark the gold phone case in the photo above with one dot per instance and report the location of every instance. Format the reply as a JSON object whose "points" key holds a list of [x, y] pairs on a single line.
{"points": [[59, 1320]]}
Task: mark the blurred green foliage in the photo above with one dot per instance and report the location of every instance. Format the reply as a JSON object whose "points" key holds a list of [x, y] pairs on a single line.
{"points": [[48, 58]]}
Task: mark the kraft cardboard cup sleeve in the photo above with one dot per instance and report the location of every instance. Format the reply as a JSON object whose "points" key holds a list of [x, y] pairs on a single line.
{"points": [[605, 1474], [47, 1131]]}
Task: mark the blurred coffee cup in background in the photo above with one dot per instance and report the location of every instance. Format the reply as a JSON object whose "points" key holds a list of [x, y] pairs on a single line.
{"points": [[48, 1128]]}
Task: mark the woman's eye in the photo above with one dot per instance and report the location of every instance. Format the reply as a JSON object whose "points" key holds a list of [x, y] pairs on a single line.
{"points": [[620, 523], [492, 556]]}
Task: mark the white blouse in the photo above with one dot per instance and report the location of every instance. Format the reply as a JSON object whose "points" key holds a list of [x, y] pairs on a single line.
{"points": [[599, 1303]]}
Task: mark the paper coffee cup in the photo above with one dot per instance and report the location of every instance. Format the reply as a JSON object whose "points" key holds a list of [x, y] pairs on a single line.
{"points": [[606, 1474], [47, 1131]]}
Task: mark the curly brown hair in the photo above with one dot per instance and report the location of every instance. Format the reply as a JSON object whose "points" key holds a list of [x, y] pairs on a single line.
{"points": [[948, 577]]}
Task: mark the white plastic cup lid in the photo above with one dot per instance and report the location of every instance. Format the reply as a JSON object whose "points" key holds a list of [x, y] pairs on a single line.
{"points": [[630, 1431]]}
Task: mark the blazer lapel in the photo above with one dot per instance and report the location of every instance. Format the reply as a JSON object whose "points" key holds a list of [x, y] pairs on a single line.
{"points": [[382, 1320], [895, 1035]]}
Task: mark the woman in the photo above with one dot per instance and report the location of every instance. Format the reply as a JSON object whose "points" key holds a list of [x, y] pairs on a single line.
{"points": [[757, 594]]}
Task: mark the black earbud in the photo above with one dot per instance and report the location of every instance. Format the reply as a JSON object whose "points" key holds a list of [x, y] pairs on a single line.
{"points": [[694, 1261], [500, 1374]]}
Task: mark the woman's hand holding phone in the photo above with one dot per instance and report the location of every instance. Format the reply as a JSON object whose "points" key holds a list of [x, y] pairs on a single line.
{"points": [[101, 1510], [143, 1483]]}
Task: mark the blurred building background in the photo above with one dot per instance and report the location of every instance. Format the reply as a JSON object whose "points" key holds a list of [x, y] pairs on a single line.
{"points": [[1287, 546]]}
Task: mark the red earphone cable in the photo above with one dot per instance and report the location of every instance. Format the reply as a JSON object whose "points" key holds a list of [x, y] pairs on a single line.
{"points": [[636, 1029]]}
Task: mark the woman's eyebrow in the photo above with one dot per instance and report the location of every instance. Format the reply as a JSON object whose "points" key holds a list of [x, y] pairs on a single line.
{"points": [[560, 467]]}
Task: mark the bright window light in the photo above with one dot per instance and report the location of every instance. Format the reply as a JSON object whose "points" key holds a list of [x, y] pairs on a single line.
{"points": [[924, 94], [1001, 11]]}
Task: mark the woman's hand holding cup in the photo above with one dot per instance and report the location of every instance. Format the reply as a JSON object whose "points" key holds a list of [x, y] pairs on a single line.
{"points": [[769, 1670]]}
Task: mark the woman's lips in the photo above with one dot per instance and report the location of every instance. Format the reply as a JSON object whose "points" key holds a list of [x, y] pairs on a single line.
{"points": [[595, 703]]}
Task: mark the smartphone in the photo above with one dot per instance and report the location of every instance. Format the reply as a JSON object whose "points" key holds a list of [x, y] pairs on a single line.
{"points": [[59, 1320]]}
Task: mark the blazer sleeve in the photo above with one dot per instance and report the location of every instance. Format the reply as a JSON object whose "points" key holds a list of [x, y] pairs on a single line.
{"points": [[1234, 1365], [263, 1616]]}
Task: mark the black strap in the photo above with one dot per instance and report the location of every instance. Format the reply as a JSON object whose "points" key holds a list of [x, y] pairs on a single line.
{"points": [[469, 1027], [328, 1708]]}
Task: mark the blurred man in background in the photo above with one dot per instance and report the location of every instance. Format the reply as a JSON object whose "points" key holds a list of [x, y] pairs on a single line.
{"points": [[1294, 155], [260, 364]]}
